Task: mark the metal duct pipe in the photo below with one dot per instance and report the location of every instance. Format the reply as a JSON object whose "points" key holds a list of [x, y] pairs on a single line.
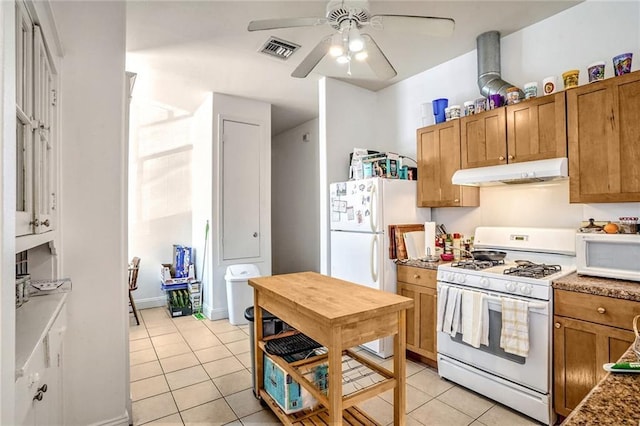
{"points": [[489, 79]]}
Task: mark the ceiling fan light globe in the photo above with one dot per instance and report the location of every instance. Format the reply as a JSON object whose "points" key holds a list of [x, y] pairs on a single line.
{"points": [[336, 51], [344, 59], [356, 44], [362, 55]]}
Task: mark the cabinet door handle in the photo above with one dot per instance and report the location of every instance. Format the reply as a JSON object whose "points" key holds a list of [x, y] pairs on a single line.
{"points": [[557, 325], [38, 396], [43, 388], [416, 276], [501, 158], [510, 157], [601, 310], [255, 235], [45, 223]]}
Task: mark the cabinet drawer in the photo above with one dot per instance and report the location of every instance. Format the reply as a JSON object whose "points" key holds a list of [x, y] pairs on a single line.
{"points": [[417, 276], [598, 309]]}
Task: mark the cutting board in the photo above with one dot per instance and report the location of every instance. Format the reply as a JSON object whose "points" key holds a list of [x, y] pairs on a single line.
{"points": [[397, 249], [414, 244]]}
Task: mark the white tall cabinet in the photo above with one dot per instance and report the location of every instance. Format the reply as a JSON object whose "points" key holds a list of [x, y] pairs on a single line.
{"points": [[32, 376], [231, 190]]}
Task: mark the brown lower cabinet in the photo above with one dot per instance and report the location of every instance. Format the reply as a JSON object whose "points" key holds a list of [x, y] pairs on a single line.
{"points": [[419, 284], [589, 331]]}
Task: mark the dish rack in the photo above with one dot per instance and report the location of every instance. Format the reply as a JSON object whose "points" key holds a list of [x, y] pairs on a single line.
{"points": [[46, 287]]}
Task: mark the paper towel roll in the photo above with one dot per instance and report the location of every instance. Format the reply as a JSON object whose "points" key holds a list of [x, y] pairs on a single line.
{"points": [[430, 238]]}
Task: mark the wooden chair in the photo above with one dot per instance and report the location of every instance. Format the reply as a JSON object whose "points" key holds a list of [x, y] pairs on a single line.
{"points": [[133, 285]]}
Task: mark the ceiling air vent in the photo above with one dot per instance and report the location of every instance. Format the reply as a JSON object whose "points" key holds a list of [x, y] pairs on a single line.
{"points": [[279, 48]]}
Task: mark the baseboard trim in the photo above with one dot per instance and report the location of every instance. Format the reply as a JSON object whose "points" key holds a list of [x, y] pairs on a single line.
{"points": [[151, 302], [122, 420], [215, 314]]}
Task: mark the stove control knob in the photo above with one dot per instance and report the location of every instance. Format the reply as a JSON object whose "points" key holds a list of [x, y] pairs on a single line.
{"points": [[526, 289], [461, 278], [450, 277], [484, 282], [510, 286]]}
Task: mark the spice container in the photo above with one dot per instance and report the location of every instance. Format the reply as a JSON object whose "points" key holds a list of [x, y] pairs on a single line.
{"points": [[629, 224], [447, 114]]}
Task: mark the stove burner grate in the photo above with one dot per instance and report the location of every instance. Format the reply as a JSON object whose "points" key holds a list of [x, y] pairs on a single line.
{"points": [[532, 270], [476, 264]]}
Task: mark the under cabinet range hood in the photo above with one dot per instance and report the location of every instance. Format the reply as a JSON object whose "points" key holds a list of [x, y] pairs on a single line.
{"points": [[526, 172]]}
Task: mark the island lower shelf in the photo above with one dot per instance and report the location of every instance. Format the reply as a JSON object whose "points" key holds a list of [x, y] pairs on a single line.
{"points": [[361, 380], [352, 416]]}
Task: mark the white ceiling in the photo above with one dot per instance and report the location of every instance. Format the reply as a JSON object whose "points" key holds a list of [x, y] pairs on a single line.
{"points": [[183, 49]]}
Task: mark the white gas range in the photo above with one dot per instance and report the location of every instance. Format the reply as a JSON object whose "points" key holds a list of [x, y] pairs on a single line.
{"points": [[533, 259]]}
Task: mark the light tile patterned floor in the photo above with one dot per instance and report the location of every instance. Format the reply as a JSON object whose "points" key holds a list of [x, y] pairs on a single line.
{"points": [[186, 371]]}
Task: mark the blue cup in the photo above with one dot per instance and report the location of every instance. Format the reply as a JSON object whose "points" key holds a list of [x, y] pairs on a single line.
{"points": [[438, 109]]}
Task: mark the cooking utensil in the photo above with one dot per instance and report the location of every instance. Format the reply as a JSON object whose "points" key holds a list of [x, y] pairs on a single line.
{"points": [[492, 255], [636, 343]]}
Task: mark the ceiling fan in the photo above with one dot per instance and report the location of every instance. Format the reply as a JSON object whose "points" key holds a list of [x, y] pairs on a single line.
{"points": [[348, 18]]}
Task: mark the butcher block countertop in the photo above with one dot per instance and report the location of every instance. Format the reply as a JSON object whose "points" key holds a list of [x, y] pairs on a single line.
{"points": [[616, 399]]}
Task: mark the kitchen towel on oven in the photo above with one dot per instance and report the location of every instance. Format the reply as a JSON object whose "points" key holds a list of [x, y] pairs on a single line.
{"points": [[443, 290], [475, 319], [451, 315], [514, 337]]}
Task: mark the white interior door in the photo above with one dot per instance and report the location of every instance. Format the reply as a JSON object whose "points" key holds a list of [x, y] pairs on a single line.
{"points": [[240, 190]]}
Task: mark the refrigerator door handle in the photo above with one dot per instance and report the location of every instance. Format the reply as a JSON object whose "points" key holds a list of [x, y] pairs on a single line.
{"points": [[372, 208], [374, 252]]}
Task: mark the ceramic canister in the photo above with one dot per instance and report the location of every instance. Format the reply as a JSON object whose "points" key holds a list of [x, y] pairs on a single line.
{"points": [[596, 71], [549, 85], [570, 78], [454, 111], [622, 63], [495, 101], [530, 89], [469, 108]]}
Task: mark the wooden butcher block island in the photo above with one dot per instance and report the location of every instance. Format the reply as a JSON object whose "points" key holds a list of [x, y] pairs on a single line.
{"points": [[339, 315]]}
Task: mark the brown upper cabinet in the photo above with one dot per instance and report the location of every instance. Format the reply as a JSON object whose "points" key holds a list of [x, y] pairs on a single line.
{"points": [[604, 140], [534, 129], [438, 160]]}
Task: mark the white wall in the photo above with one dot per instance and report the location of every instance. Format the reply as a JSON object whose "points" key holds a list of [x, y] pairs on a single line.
{"points": [[160, 155], [347, 120], [588, 32], [207, 200], [93, 175], [295, 204]]}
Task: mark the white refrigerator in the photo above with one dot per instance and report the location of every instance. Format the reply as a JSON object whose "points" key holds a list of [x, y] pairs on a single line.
{"points": [[360, 213]]}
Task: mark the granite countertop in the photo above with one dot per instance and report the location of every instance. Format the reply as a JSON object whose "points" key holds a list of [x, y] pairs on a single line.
{"points": [[417, 263], [615, 400], [620, 289]]}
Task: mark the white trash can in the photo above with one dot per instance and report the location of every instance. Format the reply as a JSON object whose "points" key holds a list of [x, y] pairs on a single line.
{"points": [[239, 292]]}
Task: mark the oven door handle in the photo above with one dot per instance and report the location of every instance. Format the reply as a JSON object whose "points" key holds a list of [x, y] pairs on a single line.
{"points": [[493, 298]]}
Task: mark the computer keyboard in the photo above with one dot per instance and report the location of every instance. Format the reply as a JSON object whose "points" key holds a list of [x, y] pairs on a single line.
{"points": [[291, 344]]}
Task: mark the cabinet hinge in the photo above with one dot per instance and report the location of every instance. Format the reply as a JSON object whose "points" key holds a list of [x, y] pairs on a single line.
{"points": [[54, 97]]}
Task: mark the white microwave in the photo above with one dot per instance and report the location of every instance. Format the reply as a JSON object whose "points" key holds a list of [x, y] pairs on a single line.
{"points": [[609, 255]]}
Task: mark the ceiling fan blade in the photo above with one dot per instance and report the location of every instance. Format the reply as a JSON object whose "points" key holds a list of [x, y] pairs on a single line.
{"points": [[313, 58], [378, 62], [422, 25], [273, 24]]}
